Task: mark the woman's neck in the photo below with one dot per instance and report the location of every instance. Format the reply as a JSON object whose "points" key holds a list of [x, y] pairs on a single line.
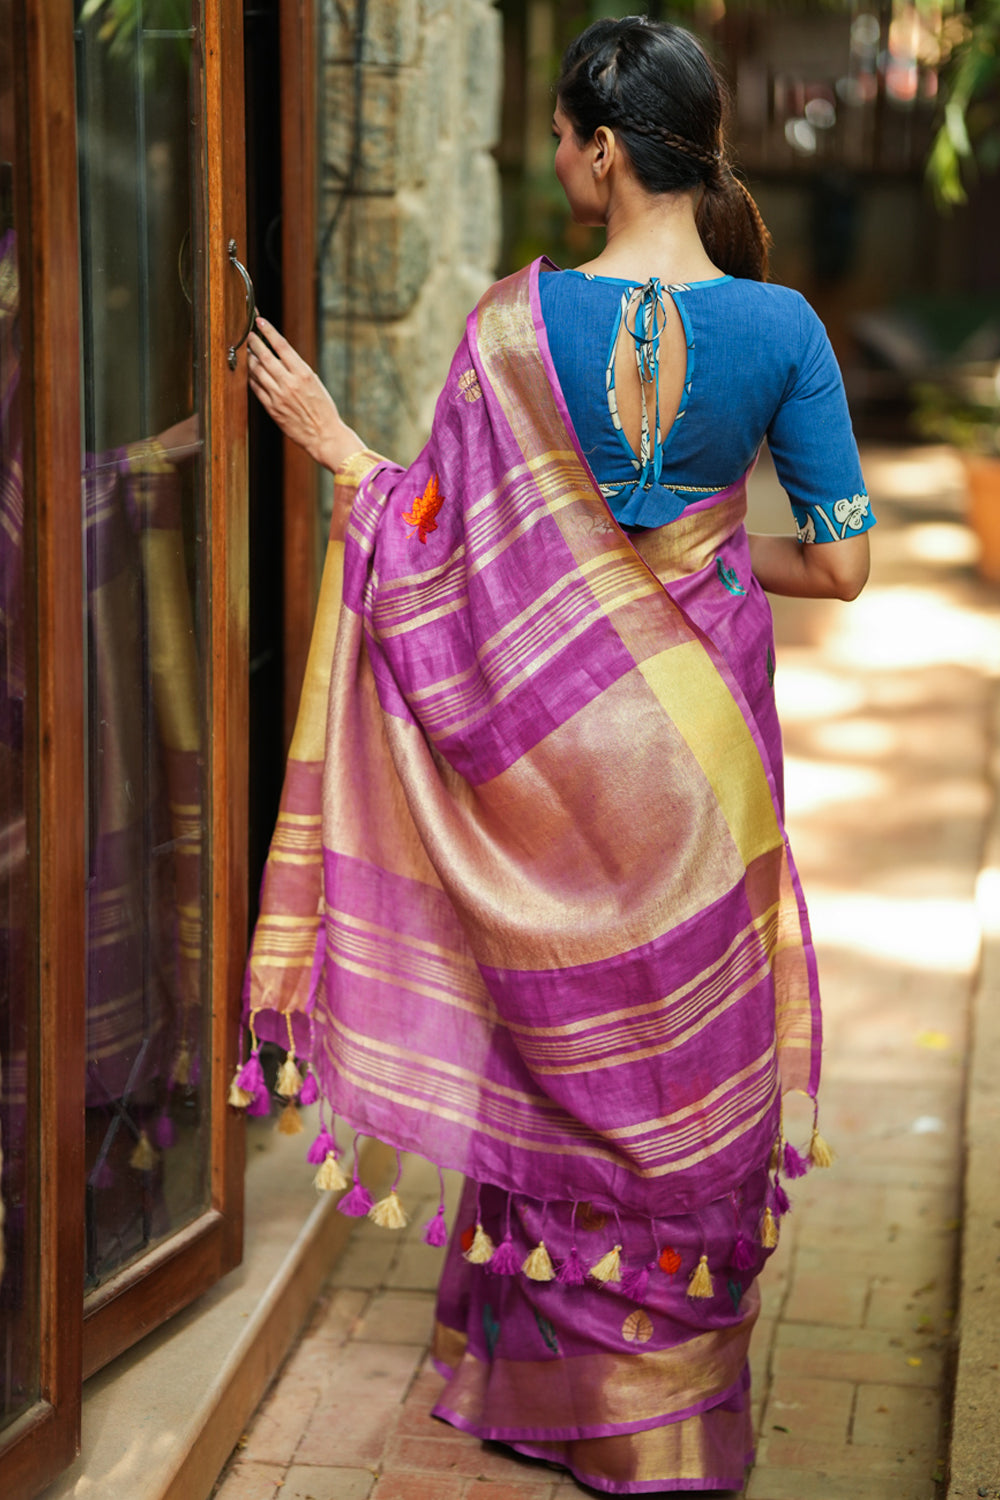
{"points": [[652, 234]]}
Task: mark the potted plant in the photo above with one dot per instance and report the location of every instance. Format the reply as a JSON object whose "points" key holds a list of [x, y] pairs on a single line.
{"points": [[962, 407]]}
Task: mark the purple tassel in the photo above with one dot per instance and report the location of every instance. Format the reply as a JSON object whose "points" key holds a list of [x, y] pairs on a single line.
{"points": [[357, 1202], [795, 1165], [781, 1201], [634, 1283], [317, 1153], [250, 1078], [163, 1132], [436, 1230], [744, 1256], [505, 1260], [572, 1272], [260, 1104], [309, 1092]]}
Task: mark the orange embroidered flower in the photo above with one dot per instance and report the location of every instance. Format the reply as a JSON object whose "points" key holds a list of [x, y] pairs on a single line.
{"points": [[670, 1261], [423, 512]]}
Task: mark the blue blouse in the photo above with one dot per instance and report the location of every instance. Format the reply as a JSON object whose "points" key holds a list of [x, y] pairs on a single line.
{"points": [[759, 364]]}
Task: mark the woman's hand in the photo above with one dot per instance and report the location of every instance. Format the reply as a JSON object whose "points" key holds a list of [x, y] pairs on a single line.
{"points": [[294, 396]]}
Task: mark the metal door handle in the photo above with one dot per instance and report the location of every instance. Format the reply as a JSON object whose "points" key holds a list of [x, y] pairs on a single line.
{"points": [[237, 265]]}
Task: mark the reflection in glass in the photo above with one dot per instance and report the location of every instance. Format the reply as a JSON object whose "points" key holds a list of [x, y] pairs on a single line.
{"points": [[147, 1029], [19, 1310]]}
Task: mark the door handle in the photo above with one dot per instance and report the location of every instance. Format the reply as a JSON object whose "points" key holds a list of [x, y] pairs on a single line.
{"points": [[237, 265]]}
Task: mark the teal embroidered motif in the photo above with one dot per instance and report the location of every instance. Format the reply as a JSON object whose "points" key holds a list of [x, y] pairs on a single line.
{"points": [[491, 1328], [548, 1333], [770, 666], [728, 577], [736, 1293]]}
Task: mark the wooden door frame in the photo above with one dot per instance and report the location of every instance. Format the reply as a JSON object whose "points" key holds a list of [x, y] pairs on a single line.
{"points": [[300, 488], [45, 1439], [144, 1295]]}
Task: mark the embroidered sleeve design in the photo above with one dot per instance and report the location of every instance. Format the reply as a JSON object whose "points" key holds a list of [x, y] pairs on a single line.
{"points": [[422, 515], [832, 522]]}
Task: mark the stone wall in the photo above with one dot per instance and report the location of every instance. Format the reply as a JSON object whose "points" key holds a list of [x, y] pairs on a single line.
{"points": [[409, 217]]}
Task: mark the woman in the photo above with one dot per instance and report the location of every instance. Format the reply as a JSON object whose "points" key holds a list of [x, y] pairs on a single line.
{"points": [[560, 943]]}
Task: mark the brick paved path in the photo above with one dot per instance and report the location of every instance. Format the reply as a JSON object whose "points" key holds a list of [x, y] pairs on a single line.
{"points": [[886, 710]]}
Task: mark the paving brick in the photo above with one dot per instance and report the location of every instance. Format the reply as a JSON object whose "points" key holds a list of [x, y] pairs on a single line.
{"points": [[366, 1262], [444, 1456], [312, 1482], [417, 1268], [251, 1481], [781, 1451], [890, 1416], [804, 1351], [336, 1313], [826, 1298], [812, 1410], [280, 1423], [490, 1489], [356, 1412], [394, 1485], [398, 1318], [807, 1484]]}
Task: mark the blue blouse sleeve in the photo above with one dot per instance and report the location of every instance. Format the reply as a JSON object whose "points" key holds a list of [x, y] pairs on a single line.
{"points": [[812, 442]]}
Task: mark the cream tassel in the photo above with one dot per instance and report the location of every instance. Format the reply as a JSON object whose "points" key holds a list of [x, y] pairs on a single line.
{"points": [[330, 1178], [609, 1267], [389, 1213], [480, 1252], [289, 1079], [819, 1152], [143, 1158], [288, 1121], [238, 1098], [700, 1284], [768, 1230], [181, 1072], [538, 1266]]}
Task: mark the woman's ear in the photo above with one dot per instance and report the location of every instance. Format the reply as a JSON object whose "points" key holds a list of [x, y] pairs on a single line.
{"points": [[605, 150]]}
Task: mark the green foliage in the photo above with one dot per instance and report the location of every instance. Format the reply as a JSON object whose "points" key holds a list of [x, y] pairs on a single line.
{"points": [[963, 409], [968, 138], [118, 25]]}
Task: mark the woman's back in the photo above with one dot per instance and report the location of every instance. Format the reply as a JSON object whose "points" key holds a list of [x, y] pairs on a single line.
{"points": [[752, 360]]}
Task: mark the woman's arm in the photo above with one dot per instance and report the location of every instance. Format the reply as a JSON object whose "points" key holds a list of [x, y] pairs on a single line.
{"points": [[295, 397], [810, 570]]}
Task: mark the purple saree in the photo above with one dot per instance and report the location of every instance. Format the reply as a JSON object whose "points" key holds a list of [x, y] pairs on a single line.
{"points": [[530, 911]]}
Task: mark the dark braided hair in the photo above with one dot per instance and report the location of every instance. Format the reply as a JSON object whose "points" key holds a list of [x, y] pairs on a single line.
{"points": [[652, 84]]}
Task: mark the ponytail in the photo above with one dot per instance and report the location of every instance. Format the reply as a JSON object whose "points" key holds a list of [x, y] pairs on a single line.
{"points": [[735, 237]]}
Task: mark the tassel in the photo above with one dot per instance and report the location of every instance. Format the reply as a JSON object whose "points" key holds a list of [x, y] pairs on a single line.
{"points": [[744, 1256], [181, 1071], [357, 1203], [164, 1133], [289, 1079], [320, 1149], [795, 1165], [260, 1104], [143, 1157], [505, 1261], [700, 1284], [572, 1272], [389, 1213], [634, 1283], [608, 1268], [330, 1177], [819, 1152], [310, 1091], [436, 1230], [768, 1230], [251, 1076], [781, 1200], [482, 1249], [538, 1266], [289, 1122], [239, 1098], [775, 1161]]}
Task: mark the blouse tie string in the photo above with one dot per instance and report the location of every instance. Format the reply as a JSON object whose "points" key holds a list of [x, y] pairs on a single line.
{"points": [[648, 307]]}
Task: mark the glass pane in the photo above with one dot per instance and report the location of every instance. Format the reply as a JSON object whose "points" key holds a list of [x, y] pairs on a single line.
{"points": [[148, 1113], [19, 1311]]}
